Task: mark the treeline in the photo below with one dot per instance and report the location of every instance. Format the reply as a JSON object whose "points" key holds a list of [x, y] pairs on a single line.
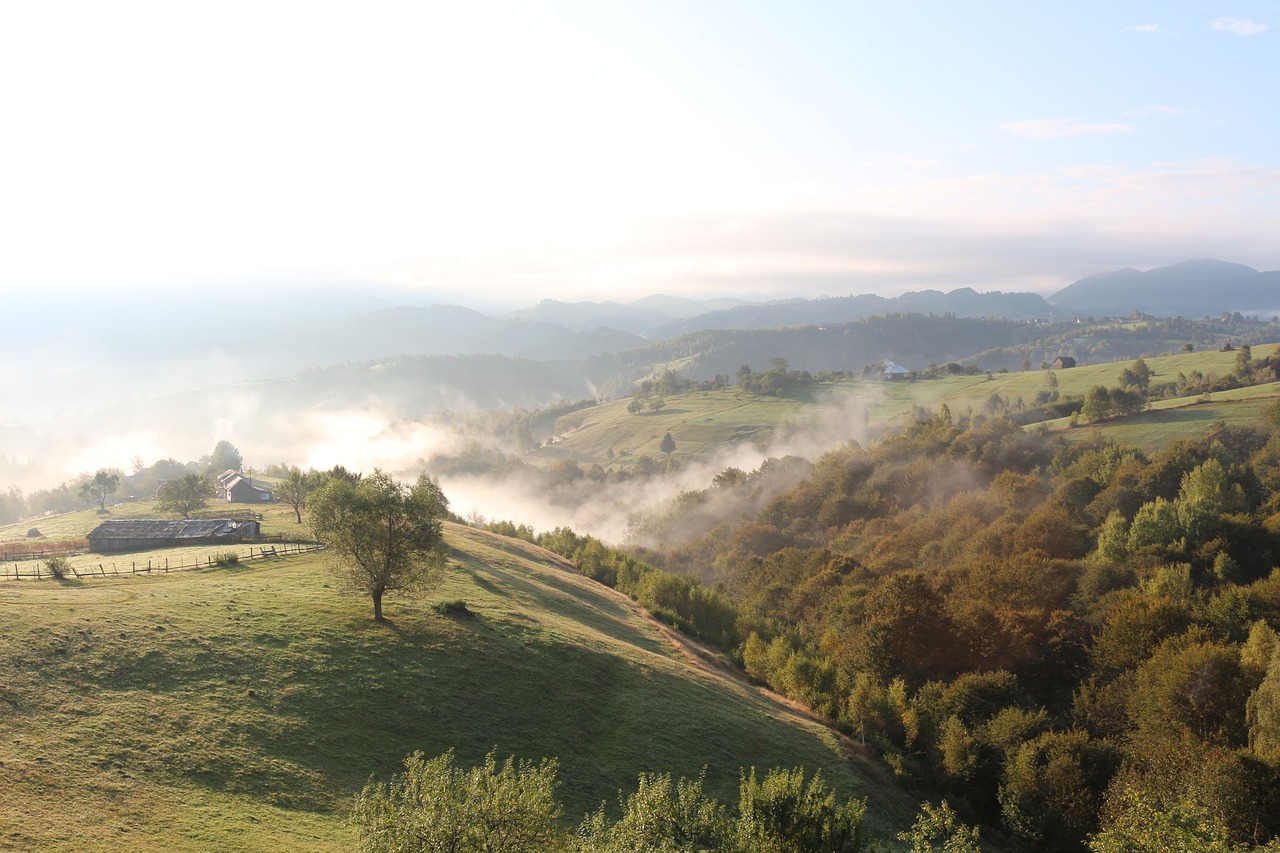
{"points": [[142, 482], [1135, 388], [678, 600], [1064, 637], [1134, 391], [513, 807], [1098, 340]]}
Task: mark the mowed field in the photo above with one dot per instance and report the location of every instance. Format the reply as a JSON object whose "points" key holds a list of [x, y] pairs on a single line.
{"points": [[241, 708]]}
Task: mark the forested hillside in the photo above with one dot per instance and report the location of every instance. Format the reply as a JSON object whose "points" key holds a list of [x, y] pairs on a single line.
{"points": [[1075, 639]]}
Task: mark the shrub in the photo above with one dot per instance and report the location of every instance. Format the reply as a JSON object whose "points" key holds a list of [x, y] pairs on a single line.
{"points": [[59, 567], [457, 607], [437, 805], [229, 558]]}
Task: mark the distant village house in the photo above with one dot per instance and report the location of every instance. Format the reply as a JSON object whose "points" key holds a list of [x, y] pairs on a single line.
{"points": [[135, 534], [235, 487], [893, 370], [1062, 362]]}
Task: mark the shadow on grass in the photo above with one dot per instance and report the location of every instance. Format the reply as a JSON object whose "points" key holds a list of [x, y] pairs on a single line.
{"points": [[318, 740], [561, 596], [214, 703]]}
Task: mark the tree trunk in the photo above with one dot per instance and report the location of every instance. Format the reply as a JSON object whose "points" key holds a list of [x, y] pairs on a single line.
{"points": [[377, 606]]}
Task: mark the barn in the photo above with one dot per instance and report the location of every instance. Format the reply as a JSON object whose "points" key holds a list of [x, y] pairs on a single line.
{"points": [[136, 534]]}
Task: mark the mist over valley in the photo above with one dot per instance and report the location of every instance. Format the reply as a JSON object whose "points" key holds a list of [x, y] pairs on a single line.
{"points": [[410, 388]]}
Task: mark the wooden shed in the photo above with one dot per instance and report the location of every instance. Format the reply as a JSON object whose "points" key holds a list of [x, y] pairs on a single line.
{"points": [[136, 534]]}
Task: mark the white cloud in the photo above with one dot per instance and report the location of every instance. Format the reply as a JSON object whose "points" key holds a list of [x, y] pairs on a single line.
{"points": [[1239, 26], [1057, 128], [1142, 28]]}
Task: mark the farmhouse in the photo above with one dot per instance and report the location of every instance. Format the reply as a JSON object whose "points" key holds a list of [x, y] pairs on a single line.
{"points": [[235, 487], [893, 370], [138, 533], [1062, 362]]}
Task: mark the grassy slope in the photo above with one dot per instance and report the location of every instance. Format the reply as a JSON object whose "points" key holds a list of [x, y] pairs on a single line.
{"points": [[241, 708], [707, 421], [972, 392], [700, 423], [1169, 420]]}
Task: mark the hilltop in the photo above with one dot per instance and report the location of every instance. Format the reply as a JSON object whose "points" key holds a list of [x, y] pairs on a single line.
{"points": [[1198, 288]]}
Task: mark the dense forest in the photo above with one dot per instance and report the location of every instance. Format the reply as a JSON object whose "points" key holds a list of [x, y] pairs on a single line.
{"points": [[1069, 640]]}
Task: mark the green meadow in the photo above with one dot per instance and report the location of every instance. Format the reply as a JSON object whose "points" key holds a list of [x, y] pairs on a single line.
{"points": [[241, 708], [704, 422], [1182, 418]]}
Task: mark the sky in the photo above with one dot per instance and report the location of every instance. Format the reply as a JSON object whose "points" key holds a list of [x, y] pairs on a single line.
{"points": [[506, 152]]}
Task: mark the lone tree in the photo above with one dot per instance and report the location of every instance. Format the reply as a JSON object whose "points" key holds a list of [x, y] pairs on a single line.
{"points": [[383, 535], [225, 457], [184, 495], [296, 486], [668, 444], [102, 486]]}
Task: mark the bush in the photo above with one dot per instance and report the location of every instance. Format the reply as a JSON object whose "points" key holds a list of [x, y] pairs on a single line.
{"points": [[229, 558], [437, 805], [457, 607], [784, 813], [59, 567]]}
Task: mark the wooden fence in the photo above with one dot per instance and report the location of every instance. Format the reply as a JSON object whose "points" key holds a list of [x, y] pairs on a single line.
{"points": [[39, 552], [164, 564]]}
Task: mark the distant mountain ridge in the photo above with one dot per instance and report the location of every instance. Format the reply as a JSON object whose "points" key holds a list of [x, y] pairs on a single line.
{"points": [[638, 317], [1192, 289], [258, 343], [962, 302]]}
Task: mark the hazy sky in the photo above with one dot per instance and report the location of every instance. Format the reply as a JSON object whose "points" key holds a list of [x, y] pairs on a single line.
{"points": [[605, 149]]}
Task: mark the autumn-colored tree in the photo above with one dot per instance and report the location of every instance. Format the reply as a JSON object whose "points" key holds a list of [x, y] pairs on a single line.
{"points": [[1053, 788]]}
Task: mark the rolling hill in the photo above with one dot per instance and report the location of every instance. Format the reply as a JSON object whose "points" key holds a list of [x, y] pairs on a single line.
{"points": [[241, 708], [706, 424]]}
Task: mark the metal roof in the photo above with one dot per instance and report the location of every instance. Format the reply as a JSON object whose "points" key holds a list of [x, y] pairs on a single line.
{"points": [[183, 528]]}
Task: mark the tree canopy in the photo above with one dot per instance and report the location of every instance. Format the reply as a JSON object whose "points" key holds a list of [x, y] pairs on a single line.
{"points": [[296, 486], [185, 495], [103, 485], [225, 457], [382, 535]]}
